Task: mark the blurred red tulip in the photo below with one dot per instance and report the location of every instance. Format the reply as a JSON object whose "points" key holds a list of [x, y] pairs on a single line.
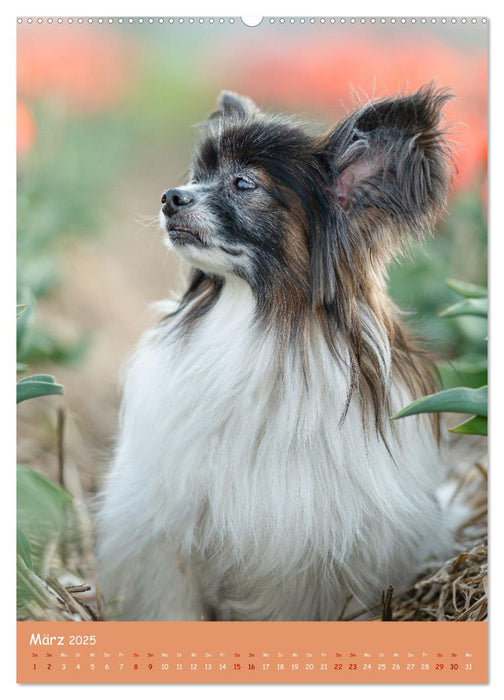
{"points": [[87, 67], [26, 129], [322, 76]]}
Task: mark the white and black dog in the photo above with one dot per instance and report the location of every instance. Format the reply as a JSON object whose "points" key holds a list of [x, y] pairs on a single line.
{"points": [[257, 474]]}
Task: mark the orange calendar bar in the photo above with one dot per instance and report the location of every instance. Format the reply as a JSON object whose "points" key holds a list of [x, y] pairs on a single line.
{"points": [[252, 652]]}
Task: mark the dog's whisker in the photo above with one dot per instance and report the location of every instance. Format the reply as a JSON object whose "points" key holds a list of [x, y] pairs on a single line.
{"points": [[147, 221]]}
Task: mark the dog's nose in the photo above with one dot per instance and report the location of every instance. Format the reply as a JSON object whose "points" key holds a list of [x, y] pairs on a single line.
{"points": [[172, 200]]}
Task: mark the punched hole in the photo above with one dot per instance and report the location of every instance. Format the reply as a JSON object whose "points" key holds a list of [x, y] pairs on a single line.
{"points": [[252, 21]]}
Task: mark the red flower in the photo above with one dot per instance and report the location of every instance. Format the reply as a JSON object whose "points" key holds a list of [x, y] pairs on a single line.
{"points": [[87, 67], [26, 129], [320, 76]]}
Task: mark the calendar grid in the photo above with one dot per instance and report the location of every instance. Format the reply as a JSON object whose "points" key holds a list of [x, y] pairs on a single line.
{"points": [[262, 652]]}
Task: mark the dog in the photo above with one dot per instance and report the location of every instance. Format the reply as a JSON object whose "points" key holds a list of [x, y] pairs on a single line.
{"points": [[257, 474]]}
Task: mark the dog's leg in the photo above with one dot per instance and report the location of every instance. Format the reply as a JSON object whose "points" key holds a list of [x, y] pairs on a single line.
{"points": [[151, 584], [144, 578]]}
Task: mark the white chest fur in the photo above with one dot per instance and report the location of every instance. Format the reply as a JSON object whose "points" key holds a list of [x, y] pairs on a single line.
{"points": [[276, 508]]}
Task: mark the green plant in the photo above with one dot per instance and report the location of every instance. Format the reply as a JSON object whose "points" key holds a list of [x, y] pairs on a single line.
{"points": [[417, 283], [60, 199], [471, 401], [37, 385], [44, 509], [36, 345]]}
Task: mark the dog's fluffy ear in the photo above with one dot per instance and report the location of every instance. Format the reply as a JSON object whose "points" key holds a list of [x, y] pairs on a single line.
{"points": [[232, 105], [392, 165], [390, 169]]}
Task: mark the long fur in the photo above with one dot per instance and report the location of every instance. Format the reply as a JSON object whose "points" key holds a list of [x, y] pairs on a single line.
{"points": [[257, 475]]}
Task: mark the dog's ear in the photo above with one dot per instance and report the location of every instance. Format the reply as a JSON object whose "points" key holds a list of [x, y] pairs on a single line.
{"points": [[390, 170], [391, 163], [232, 105]]}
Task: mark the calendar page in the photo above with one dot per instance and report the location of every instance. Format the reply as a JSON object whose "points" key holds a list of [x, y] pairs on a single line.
{"points": [[252, 350]]}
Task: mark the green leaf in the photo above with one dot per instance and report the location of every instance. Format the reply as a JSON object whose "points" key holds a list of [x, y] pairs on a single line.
{"points": [[466, 289], [39, 378], [461, 400], [20, 309], [468, 370], [30, 589], [42, 514], [468, 307], [32, 387], [24, 321], [23, 548], [477, 425]]}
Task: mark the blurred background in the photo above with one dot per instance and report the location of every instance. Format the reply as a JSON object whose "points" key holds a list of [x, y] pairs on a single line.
{"points": [[106, 119]]}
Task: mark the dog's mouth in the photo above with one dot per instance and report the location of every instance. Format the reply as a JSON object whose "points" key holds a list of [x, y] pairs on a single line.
{"points": [[183, 235]]}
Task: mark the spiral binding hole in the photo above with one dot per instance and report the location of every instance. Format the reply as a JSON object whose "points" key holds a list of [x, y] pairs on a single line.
{"points": [[253, 21]]}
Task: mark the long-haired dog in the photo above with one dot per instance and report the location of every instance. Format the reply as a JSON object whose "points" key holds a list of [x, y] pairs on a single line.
{"points": [[257, 474]]}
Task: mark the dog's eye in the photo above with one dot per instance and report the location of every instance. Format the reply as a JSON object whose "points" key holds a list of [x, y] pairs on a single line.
{"points": [[243, 183]]}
